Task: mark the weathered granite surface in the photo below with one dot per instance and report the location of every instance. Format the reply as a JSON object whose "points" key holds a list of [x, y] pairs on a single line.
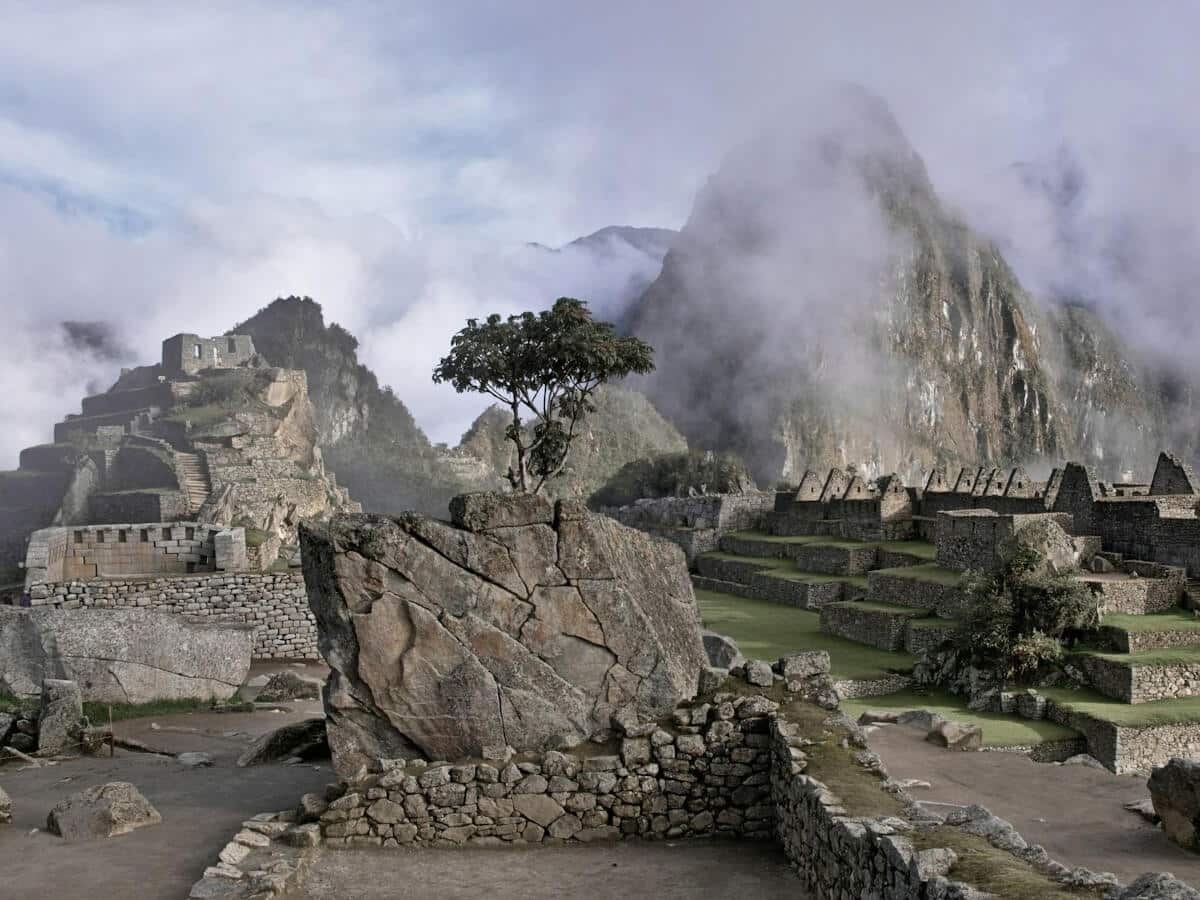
{"points": [[1175, 791], [523, 623], [122, 656], [102, 811]]}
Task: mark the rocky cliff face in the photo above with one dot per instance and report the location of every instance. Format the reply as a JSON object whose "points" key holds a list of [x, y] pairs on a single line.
{"points": [[523, 624], [823, 307]]}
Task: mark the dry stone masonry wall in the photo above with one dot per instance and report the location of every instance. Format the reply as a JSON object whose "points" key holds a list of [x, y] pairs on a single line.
{"points": [[276, 604], [705, 773]]}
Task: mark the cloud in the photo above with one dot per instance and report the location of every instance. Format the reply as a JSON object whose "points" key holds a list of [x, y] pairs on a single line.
{"points": [[174, 173]]}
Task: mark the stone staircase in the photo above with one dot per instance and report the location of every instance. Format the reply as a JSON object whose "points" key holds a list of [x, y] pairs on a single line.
{"points": [[197, 485]]}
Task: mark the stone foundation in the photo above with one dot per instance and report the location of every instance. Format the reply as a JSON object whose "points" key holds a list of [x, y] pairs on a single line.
{"points": [[1130, 750], [275, 603], [864, 623], [947, 601], [1141, 684], [786, 591], [706, 773]]}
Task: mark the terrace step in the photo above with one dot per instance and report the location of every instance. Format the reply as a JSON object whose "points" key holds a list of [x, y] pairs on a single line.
{"points": [[1145, 677], [1123, 633], [831, 556], [927, 586], [880, 625], [776, 586]]}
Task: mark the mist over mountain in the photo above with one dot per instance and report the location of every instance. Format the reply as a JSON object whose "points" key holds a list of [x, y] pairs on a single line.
{"points": [[823, 306]]}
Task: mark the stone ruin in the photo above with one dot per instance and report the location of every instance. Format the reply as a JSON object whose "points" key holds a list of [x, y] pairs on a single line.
{"points": [[521, 624]]}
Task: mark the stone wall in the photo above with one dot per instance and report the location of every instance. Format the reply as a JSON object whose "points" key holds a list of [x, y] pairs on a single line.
{"points": [[275, 603], [706, 773], [1123, 641], [946, 600], [863, 623], [82, 552], [1130, 750], [971, 539], [1140, 684], [149, 505], [1119, 593], [696, 523]]}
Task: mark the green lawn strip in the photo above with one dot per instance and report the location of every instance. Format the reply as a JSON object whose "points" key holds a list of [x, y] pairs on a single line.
{"points": [[930, 572], [97, 713], [923, 549], [894, 609], [791, 573], [1173, 656], [1137, 715], [999, 730], [770, 630], [777, 538], [1178, 620], [763, 562]]}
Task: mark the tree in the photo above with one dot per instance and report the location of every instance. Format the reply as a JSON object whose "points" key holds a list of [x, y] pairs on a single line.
{"points": [[547, 365], [1019, 615]]}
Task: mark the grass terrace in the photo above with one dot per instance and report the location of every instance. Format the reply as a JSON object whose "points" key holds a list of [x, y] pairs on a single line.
{"points": [[1175, 656], [930, 572], [1139, 715], [1175, 620], [769, 630], [999, 730]]}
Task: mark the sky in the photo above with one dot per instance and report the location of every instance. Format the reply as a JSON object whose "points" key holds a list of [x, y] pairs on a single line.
{"points": [[175, 171]]}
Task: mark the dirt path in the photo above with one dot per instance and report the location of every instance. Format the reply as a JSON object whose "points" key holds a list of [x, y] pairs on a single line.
{"points": [[201, 809], [1075, 812], [714, 870]]}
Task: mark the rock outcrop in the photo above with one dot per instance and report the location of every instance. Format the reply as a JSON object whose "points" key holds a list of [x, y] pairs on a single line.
{"points": [[123, 656], [304, 739], [522, 624], [60, 722], [822, 306], [1175, 792], [102, 811]]}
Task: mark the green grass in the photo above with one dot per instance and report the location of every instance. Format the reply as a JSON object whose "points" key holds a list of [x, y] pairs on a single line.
{"points": [[999, 730], [906, 612], [922, 549], [778, 538], [1138, 715], [770, 630], [97, 713], [1177, 620], [777, 567], [11, 704], [930, 572], [1174, 656], [256, 537], [994, 871]]}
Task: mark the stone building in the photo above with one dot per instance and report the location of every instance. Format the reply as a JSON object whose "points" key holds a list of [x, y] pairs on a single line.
{"points": [[189, 354]]}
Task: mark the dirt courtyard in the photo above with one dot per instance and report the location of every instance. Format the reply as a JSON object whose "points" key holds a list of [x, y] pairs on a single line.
{"points": [[673, 870], [201, 809], [1077, 813]]}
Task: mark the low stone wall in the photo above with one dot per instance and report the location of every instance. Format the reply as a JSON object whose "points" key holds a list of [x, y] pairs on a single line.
{"points": [[876, 687], [1123, 641], [696, 523], [730, 569], [1141, 684], [833, 560], [864, 624], [1130, 750], [1138, 596], [947, 601], [707, 773], [275, 603], [928, 635]]}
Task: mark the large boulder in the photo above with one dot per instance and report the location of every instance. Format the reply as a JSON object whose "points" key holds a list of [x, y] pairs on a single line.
{"points": [[102, 811], [722, 651], [60, 722], [287, 685], [304, 739], [1175, 792], [123, 655], [5, 808], [1050, 545], [522, 624]]}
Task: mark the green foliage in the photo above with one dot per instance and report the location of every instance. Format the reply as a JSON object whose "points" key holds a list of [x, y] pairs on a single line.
{"points": [[230, 390], [546, 365], [675, 475], [1019, 616]]}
